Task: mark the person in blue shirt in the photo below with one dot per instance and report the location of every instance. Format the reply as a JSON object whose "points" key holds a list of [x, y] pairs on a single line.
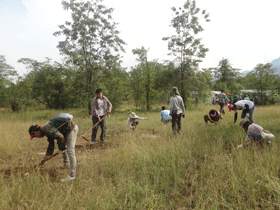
{"points": [[165, 115]]}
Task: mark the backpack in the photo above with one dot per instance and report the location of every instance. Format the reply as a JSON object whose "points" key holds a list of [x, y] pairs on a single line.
{"points": [[62, 117]]}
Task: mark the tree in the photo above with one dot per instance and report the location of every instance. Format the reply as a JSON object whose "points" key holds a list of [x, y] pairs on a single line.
{"points": [[146, 69], [225, 76], [262, 79], [185, 45], [7, 73], [89, 40]]}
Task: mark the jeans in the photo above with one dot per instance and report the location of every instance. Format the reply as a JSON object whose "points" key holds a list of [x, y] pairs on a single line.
{"points": [[251, 112], [94, 130], [69, 155], [222, 107]]}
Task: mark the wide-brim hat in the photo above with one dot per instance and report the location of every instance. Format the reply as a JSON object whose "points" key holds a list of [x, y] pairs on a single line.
{"points": [[242, 121], [132, 115]]}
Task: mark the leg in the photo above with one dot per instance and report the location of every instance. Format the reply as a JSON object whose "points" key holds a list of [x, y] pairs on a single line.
{"points": [[71, 141], [174, 117], [103, 129], [179, 122], [206, 119], [243, 115], [94, 130], [251, 112], [222, 108]]}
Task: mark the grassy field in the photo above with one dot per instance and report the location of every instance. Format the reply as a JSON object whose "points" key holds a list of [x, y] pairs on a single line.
{"points": [[149, 168]]}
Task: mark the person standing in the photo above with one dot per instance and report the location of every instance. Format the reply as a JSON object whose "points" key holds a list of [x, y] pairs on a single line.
{"points": [[223, 100], [62, 128], [256, 100], [177, 109], [245, 105], [101, 106]]}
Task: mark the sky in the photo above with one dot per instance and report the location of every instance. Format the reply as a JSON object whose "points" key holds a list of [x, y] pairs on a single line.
{"points": [[244, 31]]}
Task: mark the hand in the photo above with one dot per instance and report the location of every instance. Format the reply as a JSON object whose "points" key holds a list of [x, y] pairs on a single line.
{"points": [[247, 115], [109, 112], [44, 160], [99, 119], [146, 118], [239, 146], [183, 115]]}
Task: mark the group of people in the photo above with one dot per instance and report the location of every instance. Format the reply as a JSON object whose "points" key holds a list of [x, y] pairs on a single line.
{"points": [[64, 129], [254, 132]]}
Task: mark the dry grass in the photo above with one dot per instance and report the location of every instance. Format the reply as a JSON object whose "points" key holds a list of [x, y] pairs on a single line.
{"points": [[146, 169]]}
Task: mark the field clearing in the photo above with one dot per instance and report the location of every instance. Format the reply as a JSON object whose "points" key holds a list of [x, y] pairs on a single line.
{"points": [[146, 169]]}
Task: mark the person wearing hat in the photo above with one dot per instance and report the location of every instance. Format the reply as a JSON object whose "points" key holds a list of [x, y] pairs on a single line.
{"points": [[62, 128], [177, 109], [253, 132], [131, 121], [99, 110], [247, 108], [213, 116]]}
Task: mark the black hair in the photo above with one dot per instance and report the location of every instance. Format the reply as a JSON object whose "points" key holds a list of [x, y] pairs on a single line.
{"points": [[216, 117], [246, 125], [99, 90], [222, 90], [163, 108], [33, 128]]}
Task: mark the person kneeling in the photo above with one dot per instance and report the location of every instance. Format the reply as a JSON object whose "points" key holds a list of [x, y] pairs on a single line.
{"points": [[214, 116], [131, 121], [254, 132], [165, 115]]}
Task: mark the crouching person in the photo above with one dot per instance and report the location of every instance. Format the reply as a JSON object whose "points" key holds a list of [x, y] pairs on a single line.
{"points": [[131, 121], [165, 115], [213, 116], [62, 128], [254, 133]]}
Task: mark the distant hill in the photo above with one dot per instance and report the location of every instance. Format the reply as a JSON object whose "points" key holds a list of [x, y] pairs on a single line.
{"points": [[275, 64]]}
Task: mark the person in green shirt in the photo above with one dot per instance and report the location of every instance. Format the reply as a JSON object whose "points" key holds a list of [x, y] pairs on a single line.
{"points": [[251, 97], [62, 128], [235, 98]]}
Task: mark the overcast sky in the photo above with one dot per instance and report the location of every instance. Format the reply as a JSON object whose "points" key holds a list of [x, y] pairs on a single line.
{"points": [[244, 31]]}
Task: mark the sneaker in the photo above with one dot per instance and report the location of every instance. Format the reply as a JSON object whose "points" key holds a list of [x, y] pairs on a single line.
{"points": [[92, 142], [68, 178], [63, 166]]}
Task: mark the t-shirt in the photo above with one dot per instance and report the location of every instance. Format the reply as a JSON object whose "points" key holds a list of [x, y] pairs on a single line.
{"points": [[254, 128], [241, 104], [165, 114]]}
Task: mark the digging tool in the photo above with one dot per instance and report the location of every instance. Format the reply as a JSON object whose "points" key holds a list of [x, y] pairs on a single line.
{"points": [[83, 136], [45, 160]]}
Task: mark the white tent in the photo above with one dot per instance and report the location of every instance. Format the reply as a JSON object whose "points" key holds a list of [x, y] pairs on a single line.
{"points": [[212, 96]]}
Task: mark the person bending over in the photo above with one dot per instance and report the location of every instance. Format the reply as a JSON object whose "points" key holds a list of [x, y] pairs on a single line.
{"points": [[247, 108], [213, 116], [62, 128], [165, 115]]}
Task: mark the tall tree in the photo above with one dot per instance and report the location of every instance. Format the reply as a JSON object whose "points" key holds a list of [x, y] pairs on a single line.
{"points": [[90, 39], [225, 76], [185, 44], [263, 79]]}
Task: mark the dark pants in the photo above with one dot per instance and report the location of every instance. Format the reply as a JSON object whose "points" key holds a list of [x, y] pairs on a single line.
{"points": [[94, 130], [222, 108], [176, 123], [251, 112]]}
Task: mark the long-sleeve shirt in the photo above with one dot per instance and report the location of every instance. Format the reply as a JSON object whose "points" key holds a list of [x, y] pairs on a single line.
{"points": [[222, 98], [176, 104], [130, 121], [99, 107], [57, 129]]}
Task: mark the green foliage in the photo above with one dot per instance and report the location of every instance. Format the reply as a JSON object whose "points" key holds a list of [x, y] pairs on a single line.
{"points": [[225, 77], [89, 40], [185, 45], [7, 73]]}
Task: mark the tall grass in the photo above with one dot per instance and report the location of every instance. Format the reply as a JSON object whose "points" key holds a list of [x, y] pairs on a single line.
{"points": [[149, 168]]}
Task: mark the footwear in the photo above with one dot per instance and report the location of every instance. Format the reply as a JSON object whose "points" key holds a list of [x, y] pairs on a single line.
{"points": [[63, 166], [92, 142], [68, 178], [103, 141]]}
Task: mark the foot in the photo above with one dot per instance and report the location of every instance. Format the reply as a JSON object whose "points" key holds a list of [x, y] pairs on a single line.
{"points": [[68, 178], [103, 141], [92, 142]]}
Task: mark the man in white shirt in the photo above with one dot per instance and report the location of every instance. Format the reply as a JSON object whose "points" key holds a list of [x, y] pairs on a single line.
{"points": [[165, 115], [245, 105], [177, 109]]}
